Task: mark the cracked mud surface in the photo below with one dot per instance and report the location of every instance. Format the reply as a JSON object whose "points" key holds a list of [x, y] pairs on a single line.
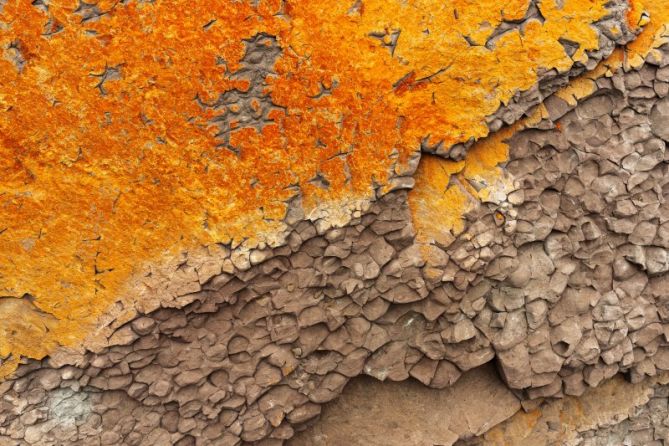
{"points": [[543, 250]]}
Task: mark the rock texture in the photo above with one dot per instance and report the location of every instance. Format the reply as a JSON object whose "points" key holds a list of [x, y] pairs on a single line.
{"points": [[372, 413], [558, 273], [617, 412], [135, 131]]}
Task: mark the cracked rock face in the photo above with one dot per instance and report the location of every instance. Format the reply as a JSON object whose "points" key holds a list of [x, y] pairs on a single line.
{"points": [[235, 124], [563, 291], [554, 282], [617, 412]]}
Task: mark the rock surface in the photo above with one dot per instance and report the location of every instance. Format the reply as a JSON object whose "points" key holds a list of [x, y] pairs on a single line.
{"points": [[556, 271], [395, 414], [617, 412]]}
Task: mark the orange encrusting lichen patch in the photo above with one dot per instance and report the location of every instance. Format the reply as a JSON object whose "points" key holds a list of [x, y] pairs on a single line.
{"points": [[436, 202], [24, 322], [654, 16], [443, 193], [107, 161]]}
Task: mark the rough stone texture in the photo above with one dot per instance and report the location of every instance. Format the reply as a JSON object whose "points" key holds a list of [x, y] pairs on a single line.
{"points": [[561, 277], [567, 291], [135, 131], [371, 413], [617, 412]]}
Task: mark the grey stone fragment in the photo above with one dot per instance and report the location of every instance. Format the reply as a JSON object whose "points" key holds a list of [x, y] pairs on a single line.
{"points": [[659, 119]]}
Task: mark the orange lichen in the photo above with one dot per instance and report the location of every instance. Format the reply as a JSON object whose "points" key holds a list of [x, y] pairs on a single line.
{"points": [[524, 423], [108, 160], [654, 15], [443, 193], [609, 402], [436, 202], [24, 322]]}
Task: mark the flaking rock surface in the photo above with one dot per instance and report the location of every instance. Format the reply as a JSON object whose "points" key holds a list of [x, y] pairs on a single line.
{"points": [[562, 281]]}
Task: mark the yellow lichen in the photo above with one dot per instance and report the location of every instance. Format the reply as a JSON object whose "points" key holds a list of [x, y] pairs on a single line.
{"points": [[445, 202], [438, 203]]}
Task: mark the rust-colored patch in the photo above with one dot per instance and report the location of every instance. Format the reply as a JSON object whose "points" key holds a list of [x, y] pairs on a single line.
{"points": [[654, 16], [608, 403]]}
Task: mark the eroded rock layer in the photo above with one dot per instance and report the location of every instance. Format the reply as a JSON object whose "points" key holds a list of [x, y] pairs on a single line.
{"points": [[543, 249], [370, 413]]}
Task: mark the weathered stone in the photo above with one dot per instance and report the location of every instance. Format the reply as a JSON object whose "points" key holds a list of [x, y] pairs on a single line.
{"points": [[459, 332], [558, 274], [514, 331], [515, 366], [566, 336]]}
